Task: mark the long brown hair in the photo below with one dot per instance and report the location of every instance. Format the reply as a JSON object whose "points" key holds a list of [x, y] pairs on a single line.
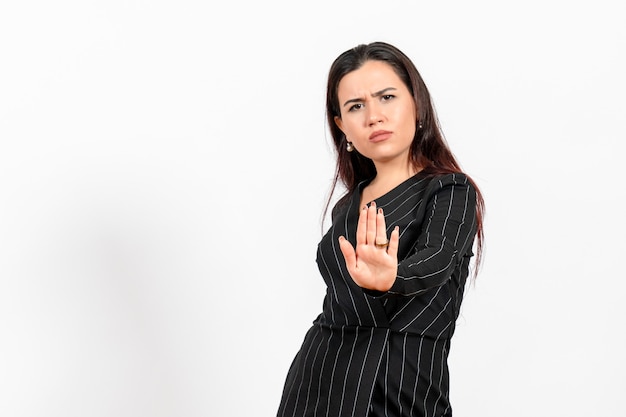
{"points": [[429, 149]]}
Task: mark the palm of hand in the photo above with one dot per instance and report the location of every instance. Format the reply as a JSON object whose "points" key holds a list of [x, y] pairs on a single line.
{"points": [[372, 266]]}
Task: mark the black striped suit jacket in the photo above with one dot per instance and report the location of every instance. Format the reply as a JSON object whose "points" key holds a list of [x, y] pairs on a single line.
{"points": [[385, 354]]}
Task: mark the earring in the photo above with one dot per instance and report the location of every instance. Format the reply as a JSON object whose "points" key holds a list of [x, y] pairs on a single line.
{"points": [[420, 125], [349, 147]]}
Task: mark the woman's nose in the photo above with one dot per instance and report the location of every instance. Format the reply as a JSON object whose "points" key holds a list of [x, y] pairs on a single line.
{"points": [[374, 115]]}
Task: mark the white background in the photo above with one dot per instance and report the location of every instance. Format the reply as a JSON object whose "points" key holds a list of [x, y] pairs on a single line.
{"points": [[164, 165]]}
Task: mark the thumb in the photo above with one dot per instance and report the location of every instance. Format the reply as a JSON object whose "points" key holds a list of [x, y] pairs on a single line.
{"points": [[348, 251]]}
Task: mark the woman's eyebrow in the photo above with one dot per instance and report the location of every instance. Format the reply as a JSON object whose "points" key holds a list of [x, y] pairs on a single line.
{"points": [[376, 94]]}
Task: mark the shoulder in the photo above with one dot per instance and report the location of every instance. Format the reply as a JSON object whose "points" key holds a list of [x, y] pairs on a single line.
{"points": [[438, 181]]}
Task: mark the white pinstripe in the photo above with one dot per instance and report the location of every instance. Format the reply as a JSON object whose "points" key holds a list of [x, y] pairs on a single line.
{"points": [[319, 386], [332, 377], [345, 379], [369, 343], [419, 357], [402, 373], [308, 393], [432, 364]]}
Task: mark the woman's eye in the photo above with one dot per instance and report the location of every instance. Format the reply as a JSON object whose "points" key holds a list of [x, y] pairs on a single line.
{"points": [[356, 107], [387, 97]]}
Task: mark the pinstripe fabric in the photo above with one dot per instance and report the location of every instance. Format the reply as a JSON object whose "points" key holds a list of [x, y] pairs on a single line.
{"points": [[385, 354]]}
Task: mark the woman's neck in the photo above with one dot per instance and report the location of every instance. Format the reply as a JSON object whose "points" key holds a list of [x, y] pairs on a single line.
{"points": [[387, 178]]}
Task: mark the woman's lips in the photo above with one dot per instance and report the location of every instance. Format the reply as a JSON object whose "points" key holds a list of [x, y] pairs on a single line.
{"points": [[380, 135]]}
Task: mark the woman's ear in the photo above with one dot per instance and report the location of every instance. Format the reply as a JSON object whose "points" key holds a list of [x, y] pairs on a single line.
{"points": [[339, 122]]}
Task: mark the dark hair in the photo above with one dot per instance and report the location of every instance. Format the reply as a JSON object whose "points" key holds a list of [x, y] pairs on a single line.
{"points": [[429, 149]]}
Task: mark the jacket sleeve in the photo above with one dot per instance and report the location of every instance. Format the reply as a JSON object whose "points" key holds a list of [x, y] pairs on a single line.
{"points": [[446, 236]]}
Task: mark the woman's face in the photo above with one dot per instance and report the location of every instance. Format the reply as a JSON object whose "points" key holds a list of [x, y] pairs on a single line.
{"points": [[378, 114]]}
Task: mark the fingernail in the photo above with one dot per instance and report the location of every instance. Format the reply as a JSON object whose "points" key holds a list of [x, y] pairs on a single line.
{"points": [[380, 211]]}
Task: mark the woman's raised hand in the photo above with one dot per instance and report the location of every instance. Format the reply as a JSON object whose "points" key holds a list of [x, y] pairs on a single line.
{"points": [[373, 264]]}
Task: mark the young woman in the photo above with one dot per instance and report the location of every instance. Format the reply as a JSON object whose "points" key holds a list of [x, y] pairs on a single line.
{"points": [[397, 256]]}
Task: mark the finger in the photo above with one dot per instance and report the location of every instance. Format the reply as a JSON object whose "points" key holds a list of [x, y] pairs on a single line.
{"points": [[361, 227], [394, 242], [381, 229], [348, 252], [371, 224]]}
